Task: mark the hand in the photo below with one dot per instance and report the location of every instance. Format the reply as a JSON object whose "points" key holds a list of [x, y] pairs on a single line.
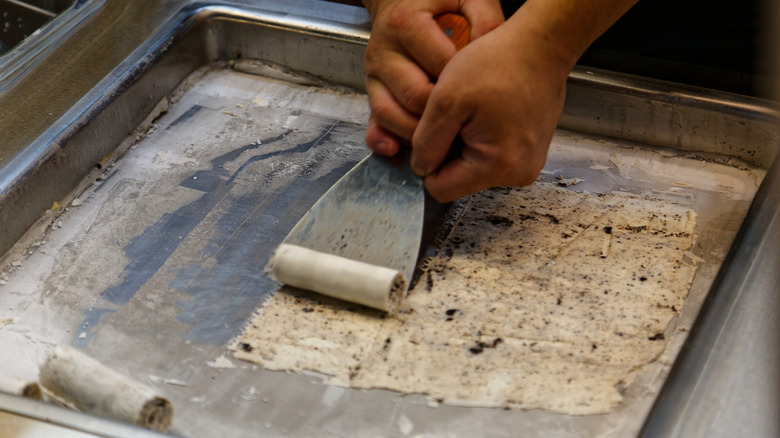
{"points": [[406, 49], [504, 94]]}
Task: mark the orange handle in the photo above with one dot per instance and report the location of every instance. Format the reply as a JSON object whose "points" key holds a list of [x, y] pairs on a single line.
{"points": [[456, 27]]}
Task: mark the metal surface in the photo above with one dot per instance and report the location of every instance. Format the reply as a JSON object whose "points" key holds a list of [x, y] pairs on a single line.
{"points": [[374, 214], [21, 417], [165, 253], [725, 382], [119, 67], [671, 115]]}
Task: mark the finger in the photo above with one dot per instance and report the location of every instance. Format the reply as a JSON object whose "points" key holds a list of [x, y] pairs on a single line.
{"points": [[427, 44], [482, 166], [460, 177], [406, 81], [387, 112], [381, 141], [430, 145], [438, 127], [483, 16]]}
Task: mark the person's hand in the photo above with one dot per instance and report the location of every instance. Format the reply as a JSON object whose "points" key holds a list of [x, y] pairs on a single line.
{"points": [[503, 94], [406, 50]]}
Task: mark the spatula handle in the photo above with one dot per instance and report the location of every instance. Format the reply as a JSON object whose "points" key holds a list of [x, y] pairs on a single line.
{"points": [[456, 27]]}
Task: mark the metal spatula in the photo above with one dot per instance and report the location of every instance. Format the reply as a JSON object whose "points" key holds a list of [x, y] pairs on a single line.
{"points": [[374, 213]]}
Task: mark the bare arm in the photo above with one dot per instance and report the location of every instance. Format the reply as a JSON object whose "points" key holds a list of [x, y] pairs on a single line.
{"points": [[504, 93]]}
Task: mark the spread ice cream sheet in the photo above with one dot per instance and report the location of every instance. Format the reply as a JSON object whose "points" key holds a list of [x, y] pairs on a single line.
{"points": [[539, 298]]}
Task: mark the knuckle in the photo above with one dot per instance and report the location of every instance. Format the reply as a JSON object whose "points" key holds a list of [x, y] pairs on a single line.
{"points": [[413, 98], [382, 112], [445, 103], [371, 57], [397, 20]]}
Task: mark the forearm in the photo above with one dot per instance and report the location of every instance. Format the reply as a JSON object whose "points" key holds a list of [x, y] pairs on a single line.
{"points": [[569, 25], [372, 5], [369, 5]]}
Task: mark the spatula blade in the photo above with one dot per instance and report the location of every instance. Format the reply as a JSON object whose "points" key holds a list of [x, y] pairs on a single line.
{"points": [[373, 214]]}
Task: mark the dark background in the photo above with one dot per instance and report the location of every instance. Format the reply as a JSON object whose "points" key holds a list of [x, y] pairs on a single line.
{"points": [[715, 44]]}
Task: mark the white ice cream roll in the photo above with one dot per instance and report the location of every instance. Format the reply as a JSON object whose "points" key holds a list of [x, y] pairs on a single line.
{"points": [[92, 387], [349, 280]]}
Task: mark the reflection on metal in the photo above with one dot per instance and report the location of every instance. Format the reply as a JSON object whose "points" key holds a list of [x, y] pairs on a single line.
{"points": [[21, 19], [33, 8], [31, 418], [32, 29], [672, 115], [201, 36]]}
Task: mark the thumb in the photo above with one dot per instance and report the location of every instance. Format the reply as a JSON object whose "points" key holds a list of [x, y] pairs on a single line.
{"points": [[433, 137]]}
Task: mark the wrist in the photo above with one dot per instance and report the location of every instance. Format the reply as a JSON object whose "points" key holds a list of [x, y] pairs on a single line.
{"points": [[568, 27], [530, 40]]}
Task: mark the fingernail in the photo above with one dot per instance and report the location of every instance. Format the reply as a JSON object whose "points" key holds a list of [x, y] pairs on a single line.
{"points": [[382, 147], [421, 169]]}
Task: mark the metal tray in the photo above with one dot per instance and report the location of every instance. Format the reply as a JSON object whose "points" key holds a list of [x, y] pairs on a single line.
{"points": [[230, 122]]}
